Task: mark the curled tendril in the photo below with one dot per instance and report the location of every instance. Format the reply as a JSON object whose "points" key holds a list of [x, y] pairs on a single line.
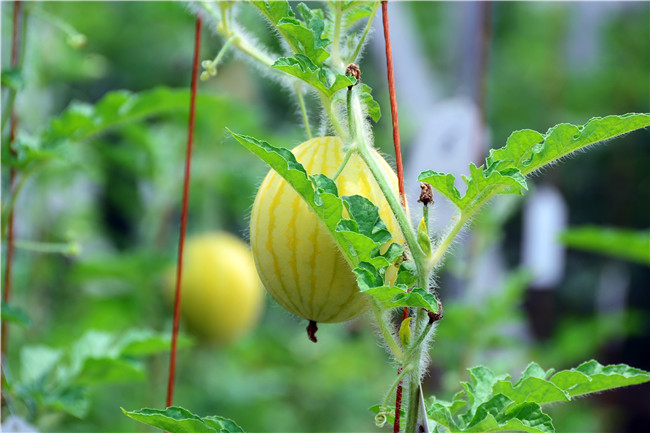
{"points": [[380, 420], [382, 417]]}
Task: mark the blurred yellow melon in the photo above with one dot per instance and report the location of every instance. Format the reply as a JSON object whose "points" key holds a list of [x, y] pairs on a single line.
{"points": [[222, 296]]}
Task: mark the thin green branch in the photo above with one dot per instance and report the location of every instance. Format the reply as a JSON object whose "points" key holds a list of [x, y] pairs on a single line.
{"points": [[414, 377], [366, 30], [388, 336], [303, 108], [411, 353], [348, 154], [13, 195], [369, 158], [462, 219], [68, 249], [336, 38], [227, 32], [74, 37], [398, 379], [338, 128], [446, 242], [425, 215], [210, 66], [11, 97]]}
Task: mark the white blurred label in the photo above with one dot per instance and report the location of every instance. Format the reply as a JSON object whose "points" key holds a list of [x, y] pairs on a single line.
{"points": [[15, 424], [446, 142], [545, 216]]}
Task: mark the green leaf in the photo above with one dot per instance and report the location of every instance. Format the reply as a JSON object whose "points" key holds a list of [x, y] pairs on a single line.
{"points": [[371, 281], [96, 371], [591, 377], [37, 362], [621, 243], [176, 419], [500, 414], [407, 274], [13, 78], [274, 11], [322, 78], [81, 121], [441, 413], [15, 315], [73, 400], [371, 106], [305, 36], [366, 216], [356, 13], [144, 342], [311, 41], [526, 151], [481, 184], [222, 424], [495, 404], [534, 370], [101, 357], [531, 389], [285, 164]]}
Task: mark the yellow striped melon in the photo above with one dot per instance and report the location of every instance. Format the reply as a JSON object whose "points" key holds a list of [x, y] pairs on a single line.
{"points": [[297, 259]]}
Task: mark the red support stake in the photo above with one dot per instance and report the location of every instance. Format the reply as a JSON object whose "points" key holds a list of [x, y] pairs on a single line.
{"points": [[181, 240], [393, 102], [400, 168], [13, 124]]}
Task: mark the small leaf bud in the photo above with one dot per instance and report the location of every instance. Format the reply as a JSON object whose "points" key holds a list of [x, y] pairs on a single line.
{"points": [[405, 332], [423, 237]]}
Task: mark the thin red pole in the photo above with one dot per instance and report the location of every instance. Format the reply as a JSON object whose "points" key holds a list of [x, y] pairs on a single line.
{"points": [[186, 190], [400, 169], [13, 124], [393, 102]]}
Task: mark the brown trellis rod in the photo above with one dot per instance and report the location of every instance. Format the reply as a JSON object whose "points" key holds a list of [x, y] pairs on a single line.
{"points": [[13, 124], [400, 169], [181, 239]]}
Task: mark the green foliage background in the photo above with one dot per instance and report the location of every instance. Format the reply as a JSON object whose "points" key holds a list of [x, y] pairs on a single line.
{"points": [[118, 196]]}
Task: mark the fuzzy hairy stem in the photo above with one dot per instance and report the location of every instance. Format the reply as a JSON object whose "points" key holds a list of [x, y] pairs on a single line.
{"points": [[359, 142], [356, 118], [421, 331], [336, 43], [364, 35], [398, 379], [303, 109], [338, 128], [346, 158], [388, 336]]}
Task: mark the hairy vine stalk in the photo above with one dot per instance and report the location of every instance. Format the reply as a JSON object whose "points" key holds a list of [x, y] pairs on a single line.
{"points": [[356, 117], [354, 136]]}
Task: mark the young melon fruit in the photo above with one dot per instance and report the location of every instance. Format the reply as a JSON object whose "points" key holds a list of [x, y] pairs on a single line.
{"points": [[296, 257], [222, 297]]}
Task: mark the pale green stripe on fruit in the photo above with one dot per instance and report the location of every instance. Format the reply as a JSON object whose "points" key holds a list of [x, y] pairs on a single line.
{"points": [[277, 269], [316, 166]]}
